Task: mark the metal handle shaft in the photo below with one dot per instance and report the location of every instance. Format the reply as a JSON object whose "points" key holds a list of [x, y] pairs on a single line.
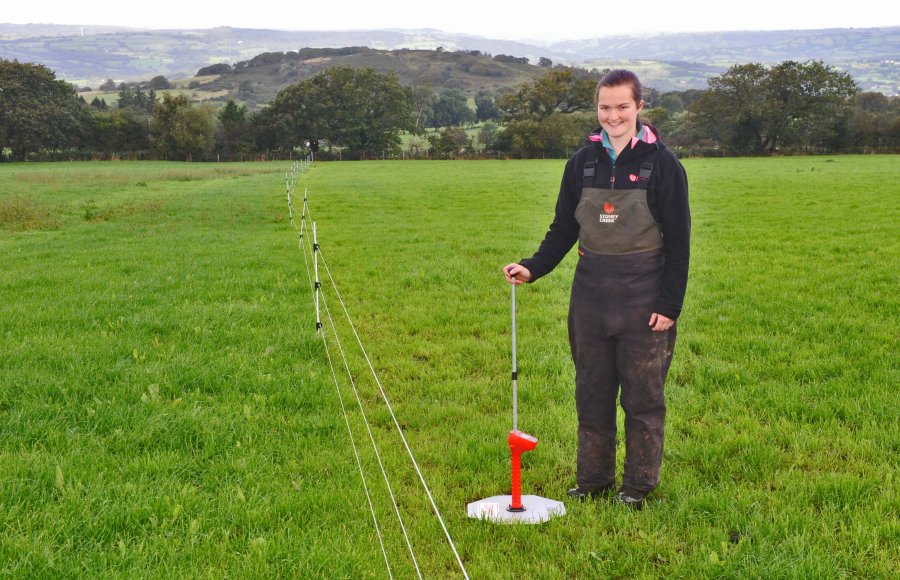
{"points": [[515, 395]]}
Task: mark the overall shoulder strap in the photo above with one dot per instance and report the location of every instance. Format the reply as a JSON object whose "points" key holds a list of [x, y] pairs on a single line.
{"points": [[590, 169], [588, 177], [647, 168]]}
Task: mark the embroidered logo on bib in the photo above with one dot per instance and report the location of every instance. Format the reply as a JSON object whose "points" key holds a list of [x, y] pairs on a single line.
{"points": [[608, 217]]}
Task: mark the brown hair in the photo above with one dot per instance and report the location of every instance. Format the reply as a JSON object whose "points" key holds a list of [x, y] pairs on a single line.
{"points": [[618, 77]]}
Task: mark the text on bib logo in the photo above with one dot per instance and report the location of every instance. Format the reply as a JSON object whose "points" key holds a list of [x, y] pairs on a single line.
{"points": [[608, 217]]}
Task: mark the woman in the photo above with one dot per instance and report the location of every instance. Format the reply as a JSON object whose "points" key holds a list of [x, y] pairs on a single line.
{"points": [[624, 199]]}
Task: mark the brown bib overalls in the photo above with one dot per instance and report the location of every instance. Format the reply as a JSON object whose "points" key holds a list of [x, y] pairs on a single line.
{"points": [[616, 284]]}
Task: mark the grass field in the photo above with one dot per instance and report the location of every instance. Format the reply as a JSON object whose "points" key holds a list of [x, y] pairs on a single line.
{"points": [[167, 409]]}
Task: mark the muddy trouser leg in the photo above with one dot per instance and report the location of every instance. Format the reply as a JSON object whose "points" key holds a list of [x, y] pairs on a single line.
{"points": [[596, 387], [643, 360]]}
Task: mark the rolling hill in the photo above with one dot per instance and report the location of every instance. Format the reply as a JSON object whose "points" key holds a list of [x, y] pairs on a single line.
{"points": [[259, 79], [88, 55]]}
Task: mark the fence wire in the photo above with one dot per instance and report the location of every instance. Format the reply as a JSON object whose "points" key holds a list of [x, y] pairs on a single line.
{"points": [[312, 248], [291, 180]]}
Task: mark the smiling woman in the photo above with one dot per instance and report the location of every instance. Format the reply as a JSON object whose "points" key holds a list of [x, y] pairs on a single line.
{"points": [[618, 107], [624, 200]]}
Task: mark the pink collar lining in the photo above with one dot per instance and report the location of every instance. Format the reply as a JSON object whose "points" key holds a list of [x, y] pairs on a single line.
{"points": [[647, 136]]}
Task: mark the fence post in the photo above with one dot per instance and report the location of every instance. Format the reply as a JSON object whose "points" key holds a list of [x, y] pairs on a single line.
{"points": [[318, 284]]}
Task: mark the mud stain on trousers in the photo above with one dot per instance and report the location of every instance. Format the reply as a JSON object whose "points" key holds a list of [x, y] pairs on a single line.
{"points": [[617, 356]]}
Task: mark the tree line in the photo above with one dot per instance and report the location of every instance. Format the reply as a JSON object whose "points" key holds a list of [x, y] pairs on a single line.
{"points": [[750, 109]]}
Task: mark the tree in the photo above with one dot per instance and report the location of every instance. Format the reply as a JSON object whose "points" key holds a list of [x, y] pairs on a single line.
{"points": [[179, 130], [109, 85], [548, 116], [871, 102], [545, 62], [232, 134], [557, 91], [423, 100], [214, 69], [875, 124], [732, 110], [671, 102], [658, 117], [293, 117], [511, 59], [159, 82], [135, 98], [487, 137], [485, 109], [800, 106], [451, 109], [37, 111], [558, 135], [809, 105], [450, 142], [360, 109], [119, 131]]}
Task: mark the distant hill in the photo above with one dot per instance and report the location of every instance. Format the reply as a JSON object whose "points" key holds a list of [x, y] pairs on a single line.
{"points": [[258, 80], [88, 55], [870, 55]]}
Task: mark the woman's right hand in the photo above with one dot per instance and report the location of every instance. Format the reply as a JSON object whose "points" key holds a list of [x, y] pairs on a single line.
{"points": [[516, 273]]}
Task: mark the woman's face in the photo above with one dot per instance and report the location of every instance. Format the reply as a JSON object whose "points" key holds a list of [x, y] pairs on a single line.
{"points": [[617, 111]]}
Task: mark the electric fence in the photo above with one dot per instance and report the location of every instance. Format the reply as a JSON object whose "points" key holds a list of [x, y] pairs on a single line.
{"points": [[313, 249]]}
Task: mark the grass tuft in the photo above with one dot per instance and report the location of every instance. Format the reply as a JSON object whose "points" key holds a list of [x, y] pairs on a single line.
{"points": [[21, 213]]}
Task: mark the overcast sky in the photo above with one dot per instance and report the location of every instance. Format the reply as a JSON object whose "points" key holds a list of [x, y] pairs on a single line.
{"points": [[508, 20]]}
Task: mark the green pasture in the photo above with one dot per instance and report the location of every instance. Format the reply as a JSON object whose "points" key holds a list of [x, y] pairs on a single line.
{"points": [[168, 410]]}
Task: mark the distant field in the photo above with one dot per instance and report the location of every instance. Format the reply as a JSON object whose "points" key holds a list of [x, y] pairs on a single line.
{"points": [[178, 88], [166, 408]]}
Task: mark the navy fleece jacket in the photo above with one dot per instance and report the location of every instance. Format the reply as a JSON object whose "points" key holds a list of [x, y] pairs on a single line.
{"points": [[667, 197]]}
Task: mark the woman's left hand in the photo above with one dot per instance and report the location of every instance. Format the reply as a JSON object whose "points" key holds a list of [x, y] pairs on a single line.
{"points": [[659, 323]]}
